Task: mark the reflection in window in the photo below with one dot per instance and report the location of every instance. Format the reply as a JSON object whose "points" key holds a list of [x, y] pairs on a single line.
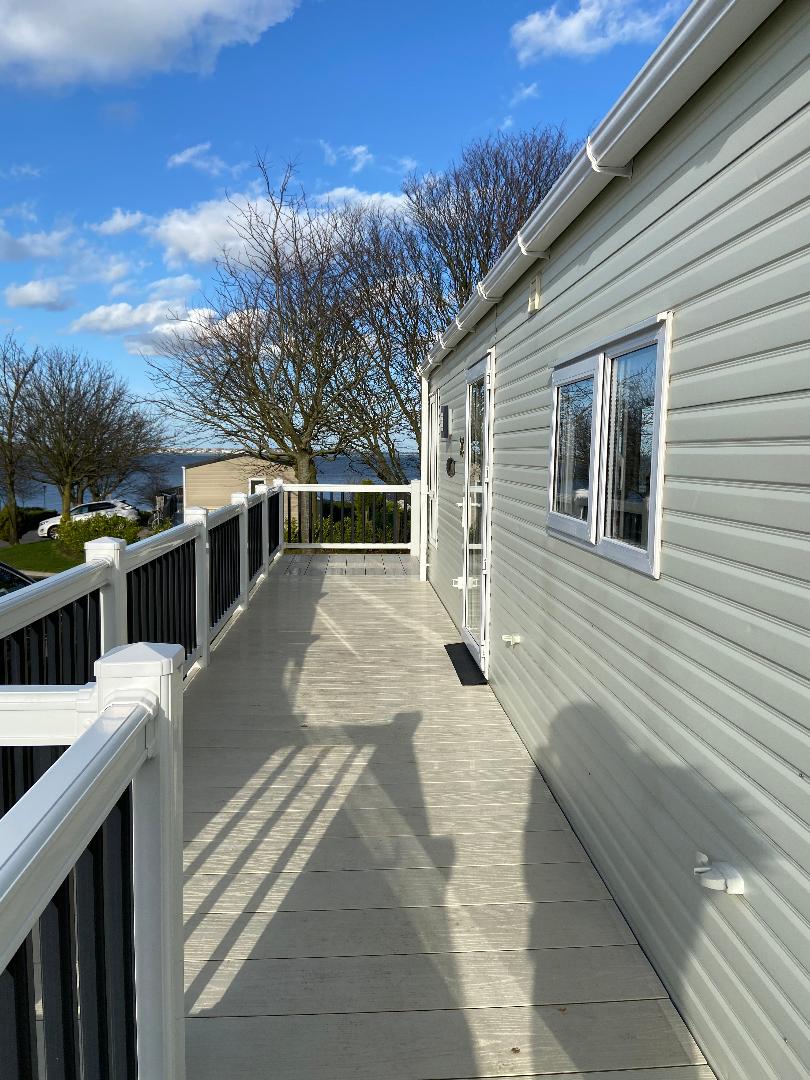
{"points": [[629, 446], [573, 451]]}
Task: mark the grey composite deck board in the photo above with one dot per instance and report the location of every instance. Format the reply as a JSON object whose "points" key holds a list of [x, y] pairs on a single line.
{"points": [[314, 851], [535, 1041], [244, 890], [368, 984], [365, 833], [404, 821], [385, 932]]}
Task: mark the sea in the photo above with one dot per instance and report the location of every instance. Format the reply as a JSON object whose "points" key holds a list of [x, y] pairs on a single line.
{"points": [[342, 470]]}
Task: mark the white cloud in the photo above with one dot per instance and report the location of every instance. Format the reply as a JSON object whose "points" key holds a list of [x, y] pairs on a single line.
{"points": [[25, 171], [507, 122], [357, 157], [54, 42], [592, 27], [25, 210], [153, 342], [180, 285], [199, 234], [32, 245], [523, 93], [407, 164], [200, 157], [385, 200], [41, 293], [120, 221], [118, 318]]}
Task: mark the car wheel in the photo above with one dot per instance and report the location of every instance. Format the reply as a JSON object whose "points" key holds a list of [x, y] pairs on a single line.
{"points": [[53, 532]]}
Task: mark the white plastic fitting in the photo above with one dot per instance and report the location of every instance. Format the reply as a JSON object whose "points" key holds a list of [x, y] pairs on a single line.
{"points": [[718, 876], [511, 639]]}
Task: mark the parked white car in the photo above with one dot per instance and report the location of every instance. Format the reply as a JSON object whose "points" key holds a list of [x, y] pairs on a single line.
{"points": [[109, 508]]}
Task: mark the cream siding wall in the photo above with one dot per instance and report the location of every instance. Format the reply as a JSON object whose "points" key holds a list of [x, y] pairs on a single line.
{"points": [[672, 716], [211, 485]]}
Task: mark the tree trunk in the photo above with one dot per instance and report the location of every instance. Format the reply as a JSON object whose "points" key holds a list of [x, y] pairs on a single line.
{"points": [[67, 492], [13, 517], [305, 473]]}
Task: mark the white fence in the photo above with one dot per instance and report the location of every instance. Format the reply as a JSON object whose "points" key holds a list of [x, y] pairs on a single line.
{"points": [[95, 840]]}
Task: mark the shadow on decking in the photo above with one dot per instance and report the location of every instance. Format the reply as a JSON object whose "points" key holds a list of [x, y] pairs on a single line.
{"points": [[329, 916]]}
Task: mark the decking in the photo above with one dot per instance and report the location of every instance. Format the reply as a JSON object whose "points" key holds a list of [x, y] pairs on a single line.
{"points": [[379, 884]]}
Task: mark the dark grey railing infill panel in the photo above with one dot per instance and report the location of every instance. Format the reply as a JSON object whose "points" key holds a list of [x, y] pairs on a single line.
{"points": [[223, 569], [85, 949], [255, 553], [327, 517], [274, 511], [59, 649], [161, 599]]}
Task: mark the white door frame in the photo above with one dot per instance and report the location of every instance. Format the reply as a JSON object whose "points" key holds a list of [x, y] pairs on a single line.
{"points": [[479, 649]]}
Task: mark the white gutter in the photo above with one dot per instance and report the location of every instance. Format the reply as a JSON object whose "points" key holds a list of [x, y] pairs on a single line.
{"points": [[709, 32]]}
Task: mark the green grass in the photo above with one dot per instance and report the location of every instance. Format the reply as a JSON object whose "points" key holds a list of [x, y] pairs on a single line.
{"points": [[43, 555]]}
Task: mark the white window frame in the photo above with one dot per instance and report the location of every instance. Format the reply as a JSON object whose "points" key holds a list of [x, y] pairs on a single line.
{"points": [[647, 560], [588, 367], [433, 467]]}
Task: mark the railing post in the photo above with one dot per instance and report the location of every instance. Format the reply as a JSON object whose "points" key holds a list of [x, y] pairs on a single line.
{"points": [[278, 486], [416, 518], [111, 550], [241, 500], [198, 515], [263, 490], [157, 805]]}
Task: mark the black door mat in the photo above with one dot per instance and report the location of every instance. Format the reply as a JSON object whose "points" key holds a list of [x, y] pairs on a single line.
{"points": [[469, 673]]}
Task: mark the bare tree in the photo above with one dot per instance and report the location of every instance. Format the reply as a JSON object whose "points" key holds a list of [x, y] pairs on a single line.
{"points": [[270, 366], [469, 212], [398, 307], [83, 427], [16, 367]]}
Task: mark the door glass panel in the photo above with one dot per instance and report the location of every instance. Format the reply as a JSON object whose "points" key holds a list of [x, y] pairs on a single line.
{"points": [[474, 555], [573, 450]]}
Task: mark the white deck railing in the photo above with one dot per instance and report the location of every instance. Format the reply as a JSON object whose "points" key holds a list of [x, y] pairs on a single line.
{"points": [[91, 873], [352, 517]]}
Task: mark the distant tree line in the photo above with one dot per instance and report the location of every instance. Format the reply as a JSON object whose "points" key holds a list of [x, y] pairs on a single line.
{"points": [[69, 421], [309, 343]]}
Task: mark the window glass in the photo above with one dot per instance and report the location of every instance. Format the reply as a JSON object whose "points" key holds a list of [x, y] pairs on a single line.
{"points": [[573, 451], [631, 413], [79, 510]]}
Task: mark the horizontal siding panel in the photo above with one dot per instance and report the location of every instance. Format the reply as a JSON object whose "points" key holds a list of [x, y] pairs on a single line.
{"points": [[774, 372], [760, 463], [763, 549], [764, 505]]}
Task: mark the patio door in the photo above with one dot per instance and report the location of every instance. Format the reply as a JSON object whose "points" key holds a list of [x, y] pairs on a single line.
{"points": [[476, 510]]}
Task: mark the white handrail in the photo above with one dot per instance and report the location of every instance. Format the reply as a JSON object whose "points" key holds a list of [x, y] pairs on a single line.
{"points": [[43, 835], [19, 609], [153, 547], [222, 513], [370, 489]]}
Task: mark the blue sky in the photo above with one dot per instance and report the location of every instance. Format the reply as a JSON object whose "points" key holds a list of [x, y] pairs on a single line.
{"points": [[125, 126]]}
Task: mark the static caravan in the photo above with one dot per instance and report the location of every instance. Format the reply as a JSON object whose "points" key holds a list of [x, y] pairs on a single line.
{"points": [[617, 457], [211, 483]]}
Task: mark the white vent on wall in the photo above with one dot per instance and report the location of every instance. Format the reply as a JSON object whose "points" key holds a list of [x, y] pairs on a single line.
{"points": [[534, 294]]}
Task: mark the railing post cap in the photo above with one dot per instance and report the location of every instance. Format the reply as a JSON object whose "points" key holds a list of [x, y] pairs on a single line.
{"points": [[278, 482], [104, 543], [238, 497], [260, 489], [196, 513], [141, 659]]}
